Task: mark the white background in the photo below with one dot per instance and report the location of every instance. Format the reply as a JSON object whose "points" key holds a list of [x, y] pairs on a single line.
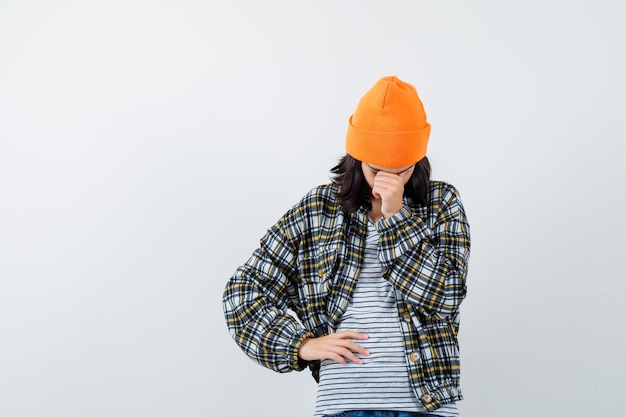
{"points": [[146, 146]]}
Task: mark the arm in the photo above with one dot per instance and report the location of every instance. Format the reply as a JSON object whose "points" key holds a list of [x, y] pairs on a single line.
{"points": [[428, 265], [257, 299]]}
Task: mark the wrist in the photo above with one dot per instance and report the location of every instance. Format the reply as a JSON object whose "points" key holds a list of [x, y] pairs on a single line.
{"points": [[299, 360], [390, 212]]}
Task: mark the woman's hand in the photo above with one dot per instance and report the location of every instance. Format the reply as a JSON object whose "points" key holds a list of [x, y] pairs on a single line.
{"points": [[336, 346], [390, 189]]}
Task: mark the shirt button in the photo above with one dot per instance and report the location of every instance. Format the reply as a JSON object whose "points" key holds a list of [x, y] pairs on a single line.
{"points": [[321, 273], [427, 399], [413, 358], [406, 317]]}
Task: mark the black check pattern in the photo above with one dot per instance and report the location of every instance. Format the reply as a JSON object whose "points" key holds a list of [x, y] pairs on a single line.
{"points": [[297, 284]]}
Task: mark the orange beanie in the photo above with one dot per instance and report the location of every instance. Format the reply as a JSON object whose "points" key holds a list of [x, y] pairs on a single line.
{"points": [[388, 127]]}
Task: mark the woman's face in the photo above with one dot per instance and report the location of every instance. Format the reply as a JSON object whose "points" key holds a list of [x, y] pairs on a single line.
{"points": [[370, 171]]}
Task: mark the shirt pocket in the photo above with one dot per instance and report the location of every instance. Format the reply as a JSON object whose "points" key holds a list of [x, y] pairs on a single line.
{"points": [[327, 263], [318, 268], [320, 263]]}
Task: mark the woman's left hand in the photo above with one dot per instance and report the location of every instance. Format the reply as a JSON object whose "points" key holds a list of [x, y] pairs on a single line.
{"points": [[390, 189]]}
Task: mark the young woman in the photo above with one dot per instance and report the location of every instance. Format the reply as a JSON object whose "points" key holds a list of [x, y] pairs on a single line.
{"points": [[373, 266]]}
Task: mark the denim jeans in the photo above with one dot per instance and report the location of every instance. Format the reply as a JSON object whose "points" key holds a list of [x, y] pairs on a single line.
{"points": [[380, 414]]}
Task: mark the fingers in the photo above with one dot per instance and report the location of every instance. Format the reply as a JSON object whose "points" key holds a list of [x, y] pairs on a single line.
{"points": [[350, 334], [344, 348], [340, 356], [390, 189], [337, 347], [388, 181], [348, 349], [387, 185]]}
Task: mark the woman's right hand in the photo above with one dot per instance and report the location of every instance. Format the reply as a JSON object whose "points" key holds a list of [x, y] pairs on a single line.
{"points": [[336, 346]]}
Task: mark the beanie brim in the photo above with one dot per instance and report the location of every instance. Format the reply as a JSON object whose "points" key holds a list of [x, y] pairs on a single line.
{"points": [[387, 149]]}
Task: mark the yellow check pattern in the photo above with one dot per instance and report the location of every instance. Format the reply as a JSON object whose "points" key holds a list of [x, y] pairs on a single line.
{"points": [[297, 284]]}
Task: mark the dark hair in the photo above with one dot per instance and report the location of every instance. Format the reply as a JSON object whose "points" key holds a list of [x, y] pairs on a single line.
{"points": [[354, 191]]}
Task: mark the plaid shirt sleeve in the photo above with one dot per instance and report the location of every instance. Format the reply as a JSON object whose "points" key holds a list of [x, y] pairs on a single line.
{"points": [[257, 299], [425, 256]]}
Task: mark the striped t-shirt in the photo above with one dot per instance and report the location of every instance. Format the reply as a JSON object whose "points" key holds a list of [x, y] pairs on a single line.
{"points": [[382, 381]]}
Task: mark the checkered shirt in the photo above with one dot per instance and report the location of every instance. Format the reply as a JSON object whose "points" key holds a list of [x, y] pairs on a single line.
{"points": [[297, 284]]}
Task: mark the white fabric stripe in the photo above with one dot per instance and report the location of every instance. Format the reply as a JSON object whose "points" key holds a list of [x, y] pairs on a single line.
{"points": [[382, 382]]}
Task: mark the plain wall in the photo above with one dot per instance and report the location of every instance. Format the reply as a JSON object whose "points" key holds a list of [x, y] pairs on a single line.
{"points": [[146, 146]]}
